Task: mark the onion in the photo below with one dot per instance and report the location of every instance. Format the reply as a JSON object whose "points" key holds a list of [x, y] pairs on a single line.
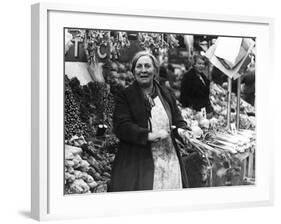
{"points": [[205, 123], [196, 131]]}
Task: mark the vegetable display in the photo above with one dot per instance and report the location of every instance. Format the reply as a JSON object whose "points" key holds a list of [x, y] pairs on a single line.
{"points": [[221, 153], [87, 167], [72, 121]]}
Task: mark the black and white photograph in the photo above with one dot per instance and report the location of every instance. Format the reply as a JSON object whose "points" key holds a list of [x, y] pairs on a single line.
{"points": [[133, 112], [151, 111]]}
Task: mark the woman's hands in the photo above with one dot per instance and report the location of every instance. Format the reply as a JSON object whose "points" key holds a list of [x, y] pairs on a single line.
{"points": [[162, 134], [158, 135]]}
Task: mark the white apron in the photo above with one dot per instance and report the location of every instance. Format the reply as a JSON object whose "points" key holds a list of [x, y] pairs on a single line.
{"points": [[167, 174]]}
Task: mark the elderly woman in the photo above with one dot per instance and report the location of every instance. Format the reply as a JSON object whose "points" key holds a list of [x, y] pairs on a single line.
{"points": [[145, 112]]}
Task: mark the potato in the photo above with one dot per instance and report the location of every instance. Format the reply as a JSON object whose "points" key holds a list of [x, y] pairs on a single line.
{"points": [[86, 177], [84, 163], [101, 188], [68, 155], [93, 184], [84, 169], [77, 174], [69, 163], [69, 177], [76, 188], [72, 149], [105, 174], [70, 170], [97, 176], [94, 163], [79, 186]]}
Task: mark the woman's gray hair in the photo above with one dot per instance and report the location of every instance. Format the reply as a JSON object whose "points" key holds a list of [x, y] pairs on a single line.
{"points": [[141, 54]]}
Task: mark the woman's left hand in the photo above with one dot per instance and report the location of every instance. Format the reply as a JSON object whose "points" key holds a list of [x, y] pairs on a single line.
{"points": [[185, 135]]}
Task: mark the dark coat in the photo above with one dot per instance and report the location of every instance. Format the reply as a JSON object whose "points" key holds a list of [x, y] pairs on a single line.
{"points": [[194, 93], [248, 92], [133, 167]]}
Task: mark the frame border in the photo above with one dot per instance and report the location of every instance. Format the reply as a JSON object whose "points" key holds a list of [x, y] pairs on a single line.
{"points": [[40, 85]]}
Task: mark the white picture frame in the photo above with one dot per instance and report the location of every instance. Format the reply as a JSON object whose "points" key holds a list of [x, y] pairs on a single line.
{"points": [[48, 201]]}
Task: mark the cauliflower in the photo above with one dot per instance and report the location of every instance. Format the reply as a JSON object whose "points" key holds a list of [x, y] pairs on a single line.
{"points": [[79, 186]]}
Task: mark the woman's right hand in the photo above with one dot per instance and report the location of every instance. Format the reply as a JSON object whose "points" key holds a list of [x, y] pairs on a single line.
{"points": [[157, 135]]}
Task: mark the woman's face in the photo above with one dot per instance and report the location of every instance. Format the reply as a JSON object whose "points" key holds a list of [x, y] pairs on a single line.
{"points": [[144, 71], [199, 65]]}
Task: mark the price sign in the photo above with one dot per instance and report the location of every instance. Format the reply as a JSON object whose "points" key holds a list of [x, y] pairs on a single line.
{"points": [[203, 112], [233, 128]]}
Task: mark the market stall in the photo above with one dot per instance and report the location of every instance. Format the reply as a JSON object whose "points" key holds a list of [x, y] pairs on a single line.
{"points": [[227, 139], [227, 156]]}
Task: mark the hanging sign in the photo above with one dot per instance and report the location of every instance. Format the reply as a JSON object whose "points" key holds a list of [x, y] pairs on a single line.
{"points": [[231, 55], [203, 112]]}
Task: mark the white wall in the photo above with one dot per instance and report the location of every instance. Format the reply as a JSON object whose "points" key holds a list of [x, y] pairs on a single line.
{"points": [[15, 110]]}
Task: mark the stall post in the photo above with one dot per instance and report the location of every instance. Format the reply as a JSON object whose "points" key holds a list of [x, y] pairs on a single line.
{"points": [[238, 102], [229, 83]]}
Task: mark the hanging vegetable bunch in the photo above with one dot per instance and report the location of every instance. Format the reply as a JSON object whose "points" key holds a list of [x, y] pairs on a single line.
{"points": [[118, 41], [93, 40], [155, 41], [114, 41]]}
